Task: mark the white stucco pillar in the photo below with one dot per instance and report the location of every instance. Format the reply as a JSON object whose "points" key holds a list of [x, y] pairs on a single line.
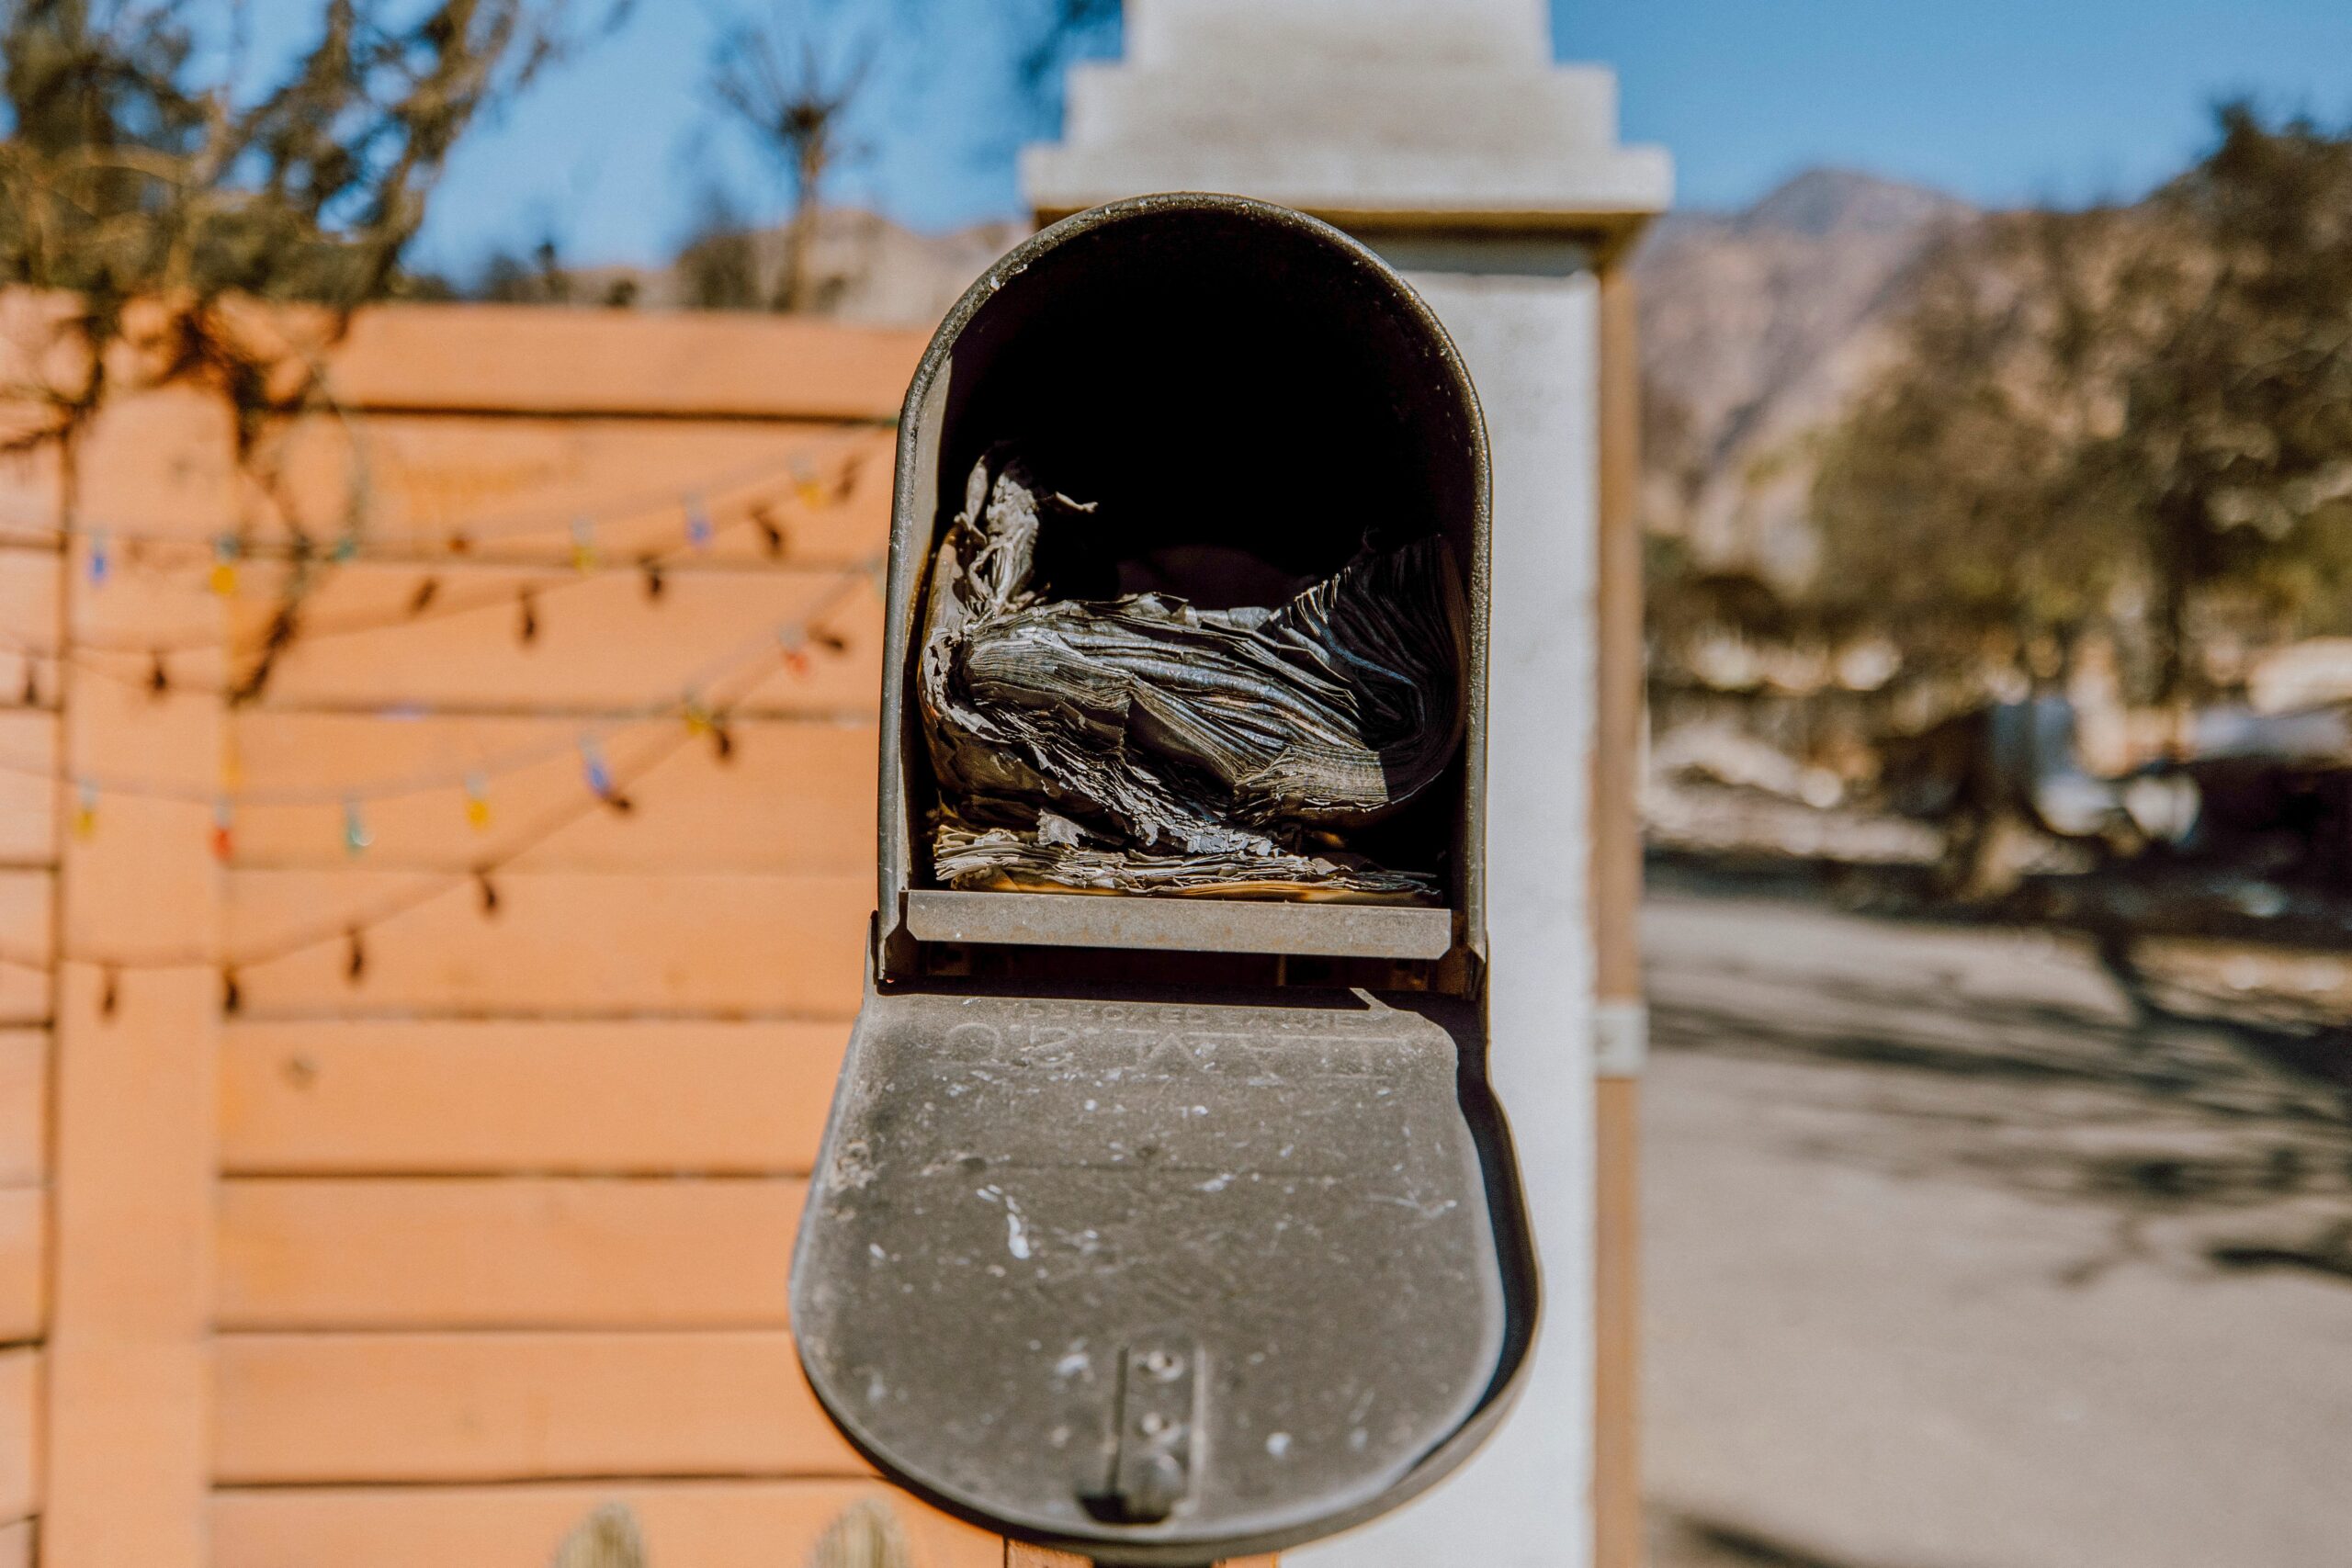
{"points": [[1441, 132]]}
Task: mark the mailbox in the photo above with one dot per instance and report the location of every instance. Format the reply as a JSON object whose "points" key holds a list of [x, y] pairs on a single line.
{"points": [[1165, 1214]]}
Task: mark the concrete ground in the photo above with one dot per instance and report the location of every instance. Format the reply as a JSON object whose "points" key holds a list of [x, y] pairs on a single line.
{"points": [[1968, 1249]]}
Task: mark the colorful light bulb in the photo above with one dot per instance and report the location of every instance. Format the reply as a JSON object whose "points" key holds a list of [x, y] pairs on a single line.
{"points": [[224, 821], [101, 558], [85, 809], [583, 544], [806, 485], [477, 803], [698, 528], [356, 836], [594, 767], [226, 552]]}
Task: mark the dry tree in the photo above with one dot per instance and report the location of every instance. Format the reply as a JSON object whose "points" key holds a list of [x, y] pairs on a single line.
{"points": [[147, 184], [790, 81]]}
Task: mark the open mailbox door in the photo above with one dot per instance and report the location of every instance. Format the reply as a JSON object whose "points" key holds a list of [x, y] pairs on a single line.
{"points": [[1155, 1226]]}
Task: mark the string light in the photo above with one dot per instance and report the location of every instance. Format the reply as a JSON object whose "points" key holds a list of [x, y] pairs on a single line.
{"points": [[699, 716], [101, 559], [223, 576], [228, 968], [593, 768], [805, 484], [796, 658], [583, 544], [230, 549], [698, 713], [797, 470], [698, 528]]}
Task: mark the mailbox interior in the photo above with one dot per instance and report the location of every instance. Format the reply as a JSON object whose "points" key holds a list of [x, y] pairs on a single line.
{"points": [[1210, 378]]}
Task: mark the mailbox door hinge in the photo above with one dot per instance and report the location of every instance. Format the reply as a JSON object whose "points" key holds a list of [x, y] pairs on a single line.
{"points": [[1158, 1385], [1621, 1039]]}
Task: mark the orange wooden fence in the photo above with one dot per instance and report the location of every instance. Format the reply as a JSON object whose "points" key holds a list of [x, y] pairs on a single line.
{"points": [[346, 1220]]}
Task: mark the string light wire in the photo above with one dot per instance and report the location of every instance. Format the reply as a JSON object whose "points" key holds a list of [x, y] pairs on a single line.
{"points": [[347, 927]]}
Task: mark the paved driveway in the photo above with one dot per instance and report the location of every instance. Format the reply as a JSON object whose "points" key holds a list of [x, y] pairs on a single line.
{"points": [[1959, 1256]]}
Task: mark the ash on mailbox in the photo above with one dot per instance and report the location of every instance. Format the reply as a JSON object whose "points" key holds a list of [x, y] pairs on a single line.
{"points": [[1144, 745]]}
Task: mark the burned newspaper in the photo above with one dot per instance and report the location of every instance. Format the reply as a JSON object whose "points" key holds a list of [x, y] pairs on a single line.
{"points": [[1142, 744]]}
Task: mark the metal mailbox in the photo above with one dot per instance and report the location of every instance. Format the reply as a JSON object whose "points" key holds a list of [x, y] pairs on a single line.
{"points": [[1162, 1229]]}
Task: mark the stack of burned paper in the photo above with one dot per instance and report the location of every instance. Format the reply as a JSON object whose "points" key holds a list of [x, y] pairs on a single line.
{"points": [[1142, 745]]}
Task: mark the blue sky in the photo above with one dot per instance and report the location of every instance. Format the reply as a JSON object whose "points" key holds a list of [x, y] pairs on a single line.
{"points": [[1997, 100]]}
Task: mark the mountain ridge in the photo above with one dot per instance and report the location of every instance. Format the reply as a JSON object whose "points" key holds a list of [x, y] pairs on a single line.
{"points": [[1759, 329]]}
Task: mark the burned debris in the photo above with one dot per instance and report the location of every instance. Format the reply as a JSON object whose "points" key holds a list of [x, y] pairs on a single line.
{"points": [[1146, 744]]}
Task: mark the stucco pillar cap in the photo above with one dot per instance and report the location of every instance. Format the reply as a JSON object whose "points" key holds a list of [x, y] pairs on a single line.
{"points": [[1441, 114]]}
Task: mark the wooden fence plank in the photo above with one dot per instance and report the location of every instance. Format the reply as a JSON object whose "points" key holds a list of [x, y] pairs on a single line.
{"points": [[481, 1098], [23, 1107], [511, 486], [424, 1407], [790, 797], [601, 643], [546, 1253], [131, 1227], [20, 1468], [23, 1264], [27, 782], [690, 1523], [536, 359], [559, 943]]}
